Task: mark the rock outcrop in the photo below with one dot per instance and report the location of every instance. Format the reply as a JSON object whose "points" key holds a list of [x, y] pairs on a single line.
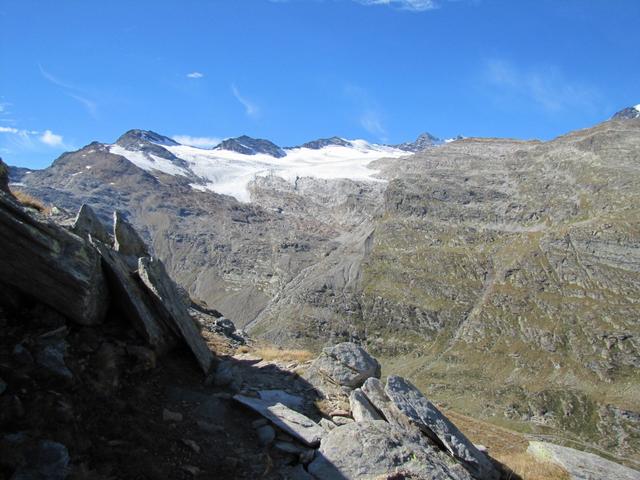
{"points": [[345, 365], [375, 449], [51, 264], [82, 277], [423, 414]]}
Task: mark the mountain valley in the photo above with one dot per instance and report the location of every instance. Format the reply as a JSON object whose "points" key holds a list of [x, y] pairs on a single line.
{"points": [[501, 276]]}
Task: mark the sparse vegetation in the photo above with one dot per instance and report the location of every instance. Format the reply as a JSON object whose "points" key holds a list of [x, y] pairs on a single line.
{"points": [[271, 353], [30, 201], [508, 448]]}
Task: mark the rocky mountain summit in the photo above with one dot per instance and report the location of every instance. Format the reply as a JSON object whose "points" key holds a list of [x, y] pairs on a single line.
{"points": [[325, 142], [251, 146], [628, 113], [423, 142], [497, 275]]}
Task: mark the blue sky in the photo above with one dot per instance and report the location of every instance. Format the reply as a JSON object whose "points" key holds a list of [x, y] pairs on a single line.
{"points": [[73, 71]]}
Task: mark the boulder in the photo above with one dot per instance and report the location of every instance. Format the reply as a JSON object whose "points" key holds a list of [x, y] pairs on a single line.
{"points": [[51, 264], [280, 396], [88, 224], [373, 389], [132, 298], [126, 238], [46, 460], [343, 365], [266, 434], [374, 449], [422, 413], [295, 424], [51, 358], [361, 408], [169, 303], [581, 465]]}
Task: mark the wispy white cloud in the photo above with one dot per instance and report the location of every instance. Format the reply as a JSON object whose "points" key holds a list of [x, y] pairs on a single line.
{"points": [[411, 5], [250, 108], [368, 113], [51, 139], [200, 142], [372, 123], [544, 86], [28, 139], [5, 114], [195, 75], [90, 105]]}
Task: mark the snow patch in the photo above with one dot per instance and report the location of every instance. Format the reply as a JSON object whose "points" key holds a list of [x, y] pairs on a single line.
{"points": [[229, 173], [637, 107], [149, 162]]}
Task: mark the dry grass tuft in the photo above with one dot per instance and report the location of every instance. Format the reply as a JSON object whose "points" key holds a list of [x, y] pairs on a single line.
{"points": [[508, 448], [31, 202], [526, 467], [218, 344], [271, 353]]}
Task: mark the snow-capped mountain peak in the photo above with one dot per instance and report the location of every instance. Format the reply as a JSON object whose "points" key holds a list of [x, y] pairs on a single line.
{"points": [[628, 113], [230, 167]]}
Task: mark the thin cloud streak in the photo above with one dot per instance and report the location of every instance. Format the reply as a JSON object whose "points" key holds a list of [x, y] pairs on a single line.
{"points": [[545, 86], [250, 108], [91, 106], [410, 5], [369, 115], [195, 75], [200, 142]]}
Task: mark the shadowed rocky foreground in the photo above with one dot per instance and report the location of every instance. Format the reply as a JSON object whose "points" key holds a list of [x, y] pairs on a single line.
{"points": [[109, 370]]}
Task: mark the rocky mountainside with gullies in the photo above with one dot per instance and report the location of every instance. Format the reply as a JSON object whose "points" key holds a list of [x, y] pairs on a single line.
{"points": [[501, 275]]}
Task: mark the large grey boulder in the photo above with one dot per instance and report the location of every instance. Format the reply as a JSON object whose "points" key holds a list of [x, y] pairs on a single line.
{"points": [[51, 264], [361, 408], [169, 304], [373, 389], [87, 224], [412, 403], [342, 365], [581, 465], [134, 301], [373, 449], [295, 424], [126, 238]]}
